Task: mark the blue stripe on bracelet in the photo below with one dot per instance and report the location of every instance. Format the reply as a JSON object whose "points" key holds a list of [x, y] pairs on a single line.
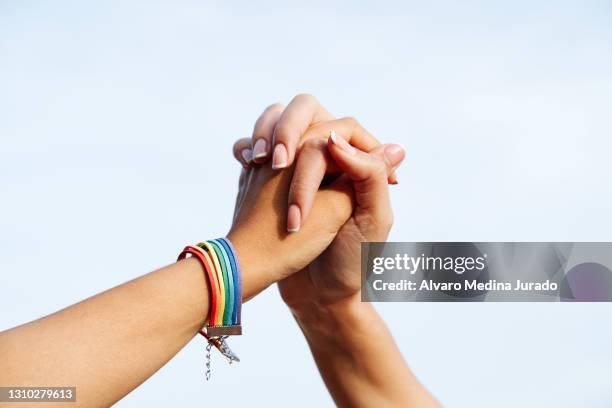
{"points": [[237, 279], [231, 263]]}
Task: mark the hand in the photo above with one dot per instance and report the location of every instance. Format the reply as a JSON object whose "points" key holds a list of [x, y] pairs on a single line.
{"points": [[337, 270], [266, 251], [280, 132], [335, 275]]}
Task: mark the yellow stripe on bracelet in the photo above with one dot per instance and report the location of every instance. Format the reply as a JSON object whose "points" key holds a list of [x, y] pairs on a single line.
{"points": [[228, 279], [218, 319], [215, 281]]}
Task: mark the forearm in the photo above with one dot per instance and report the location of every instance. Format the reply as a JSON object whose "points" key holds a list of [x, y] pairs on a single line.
{"points": [[110, 343], [358, 358]]}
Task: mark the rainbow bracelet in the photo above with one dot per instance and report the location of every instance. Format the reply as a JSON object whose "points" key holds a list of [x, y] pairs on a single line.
{"points": [[226, 320], [220, 263]]}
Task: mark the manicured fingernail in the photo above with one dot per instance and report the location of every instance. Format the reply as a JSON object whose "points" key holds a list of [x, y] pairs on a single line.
{"points": [[247, 155], [294, 218], [395, 154], [279, 158], [259, 150], [341, 143]]}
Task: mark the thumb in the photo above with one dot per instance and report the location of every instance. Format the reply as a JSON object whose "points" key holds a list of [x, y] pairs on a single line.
{"points": [[368, 171], [360, 164], [391, 154]]}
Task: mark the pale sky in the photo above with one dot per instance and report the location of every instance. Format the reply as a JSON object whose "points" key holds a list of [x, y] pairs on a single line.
{"points": [[503, 108]]}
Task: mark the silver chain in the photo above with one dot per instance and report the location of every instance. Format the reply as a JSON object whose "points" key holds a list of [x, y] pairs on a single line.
{"points": [[224, 349], [208, 347]]}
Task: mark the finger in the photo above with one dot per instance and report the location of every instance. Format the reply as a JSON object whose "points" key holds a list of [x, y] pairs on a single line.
{"points": [[302, 112], [391, 154], [314, 162], [263, 132], [339, 209], [352, 131], [242, 151], [241, 189], [244, 181], [369, 175], [387, 156], [311, 165]]}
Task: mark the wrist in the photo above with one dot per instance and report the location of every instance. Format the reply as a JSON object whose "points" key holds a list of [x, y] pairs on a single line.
{"points": [[327, 323], [253, 276]]}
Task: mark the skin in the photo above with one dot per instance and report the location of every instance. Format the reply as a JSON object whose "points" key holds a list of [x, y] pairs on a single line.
{"points": [[352, 347], [258, 231], [279, 134], [324, 297], [109, 344]]}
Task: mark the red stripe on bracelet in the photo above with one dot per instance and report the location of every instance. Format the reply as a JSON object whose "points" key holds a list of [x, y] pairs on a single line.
{"points": [[210, 272]]}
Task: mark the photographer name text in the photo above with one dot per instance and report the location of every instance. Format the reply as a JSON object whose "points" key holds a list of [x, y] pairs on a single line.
{"points": [[491, 285]]}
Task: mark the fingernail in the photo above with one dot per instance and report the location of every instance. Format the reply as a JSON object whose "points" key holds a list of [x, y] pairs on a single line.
{"points": [[279, 158], [294, 218], [395, 154], [393, 178], [247, 155], [341, 143], [259, 150]]}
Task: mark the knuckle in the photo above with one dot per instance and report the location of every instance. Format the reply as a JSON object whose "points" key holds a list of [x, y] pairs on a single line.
{"points": [[379, 168], [314, 144], [240, 145], [351, 121], [282, 132], [260, 132], [317, 131], [265, 123], [305, 97], [298, 191], [275, 107]]}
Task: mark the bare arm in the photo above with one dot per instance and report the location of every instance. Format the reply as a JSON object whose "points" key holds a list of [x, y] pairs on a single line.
{"points": [[355, 353], [358, 358], [353, 349], [110, 343]]}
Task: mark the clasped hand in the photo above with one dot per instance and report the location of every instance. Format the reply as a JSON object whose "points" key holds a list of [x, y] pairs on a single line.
{"points": [[300, 220]]}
